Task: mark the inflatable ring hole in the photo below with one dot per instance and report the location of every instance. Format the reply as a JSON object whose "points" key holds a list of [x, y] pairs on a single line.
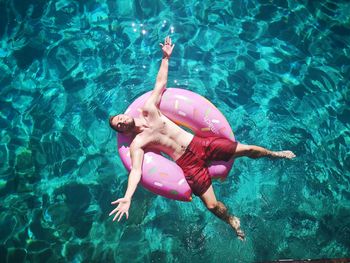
{"points": [[185, 127], [165, 156]]}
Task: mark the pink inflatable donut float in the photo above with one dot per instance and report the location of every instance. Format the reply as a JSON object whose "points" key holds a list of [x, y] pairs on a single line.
{"points": [[160, 175]]}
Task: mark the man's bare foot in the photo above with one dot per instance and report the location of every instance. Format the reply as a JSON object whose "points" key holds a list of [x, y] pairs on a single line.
{"points": [[236, 225], [284, 154]]}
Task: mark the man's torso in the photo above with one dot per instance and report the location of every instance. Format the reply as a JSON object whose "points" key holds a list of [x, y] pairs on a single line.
{"points": [[164, 135]]}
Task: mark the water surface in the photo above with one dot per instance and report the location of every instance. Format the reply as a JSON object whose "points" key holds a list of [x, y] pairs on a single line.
{"points": [[278, 70]]}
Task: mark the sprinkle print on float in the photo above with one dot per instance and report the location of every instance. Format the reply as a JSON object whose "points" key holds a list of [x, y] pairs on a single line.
{"points": [[189, 110]]}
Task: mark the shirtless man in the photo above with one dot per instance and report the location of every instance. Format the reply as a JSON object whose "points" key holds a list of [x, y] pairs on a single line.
{"points": [[153, 130]]}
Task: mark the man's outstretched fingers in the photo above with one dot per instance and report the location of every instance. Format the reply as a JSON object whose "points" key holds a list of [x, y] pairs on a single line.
{"points": [[116, 216], [116, 201], [121, 215], [114, 210]]}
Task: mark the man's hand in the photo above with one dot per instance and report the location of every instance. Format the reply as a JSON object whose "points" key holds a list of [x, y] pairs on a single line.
{"points": [[167, 47], [122, 208]]}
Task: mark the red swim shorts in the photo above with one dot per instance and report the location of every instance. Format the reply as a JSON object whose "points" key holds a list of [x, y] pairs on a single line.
{"points": [[196, 157]]}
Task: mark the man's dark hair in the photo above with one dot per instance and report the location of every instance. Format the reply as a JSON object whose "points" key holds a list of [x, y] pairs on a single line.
{"points": [[111, 124]]}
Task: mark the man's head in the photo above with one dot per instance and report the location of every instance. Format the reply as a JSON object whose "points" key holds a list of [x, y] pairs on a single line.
{"points": [[122, 123]]}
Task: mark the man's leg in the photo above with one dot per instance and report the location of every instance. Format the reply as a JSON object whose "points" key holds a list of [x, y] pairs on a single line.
{"points": [[220, 210], [255, 152]]}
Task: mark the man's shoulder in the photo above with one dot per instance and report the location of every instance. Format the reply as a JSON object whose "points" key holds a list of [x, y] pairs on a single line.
{"points": [[140, 140], [150, 110]]}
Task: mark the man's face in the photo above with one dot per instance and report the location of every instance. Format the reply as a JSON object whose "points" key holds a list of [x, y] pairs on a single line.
{"points": [[123, 123]]}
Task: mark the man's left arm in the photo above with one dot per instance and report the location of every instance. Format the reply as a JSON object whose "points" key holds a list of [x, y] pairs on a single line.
{"points": [[162, 77]]}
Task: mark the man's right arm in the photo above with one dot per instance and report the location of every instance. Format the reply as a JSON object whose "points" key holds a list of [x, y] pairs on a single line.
{"points": [[136, 154]]}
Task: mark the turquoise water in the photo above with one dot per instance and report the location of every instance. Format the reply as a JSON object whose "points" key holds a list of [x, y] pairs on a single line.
{"points": [[278, 70]]}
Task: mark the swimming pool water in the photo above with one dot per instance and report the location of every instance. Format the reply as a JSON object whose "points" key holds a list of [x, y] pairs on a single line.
{"points": [[279, 71]]}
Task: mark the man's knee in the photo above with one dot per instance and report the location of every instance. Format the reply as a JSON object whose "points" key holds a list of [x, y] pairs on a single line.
{"points": [[212, 205]]}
